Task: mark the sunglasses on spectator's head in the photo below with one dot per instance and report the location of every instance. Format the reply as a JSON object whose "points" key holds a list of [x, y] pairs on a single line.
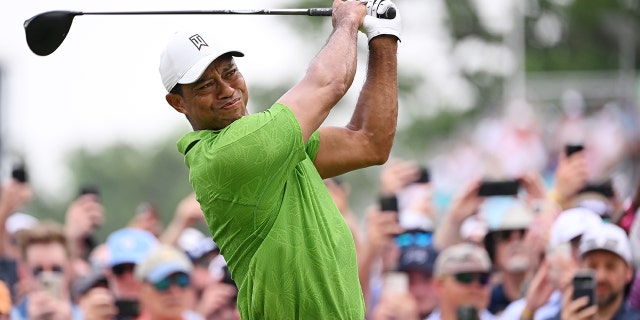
{"points": [[420, 239], [506, 234], [179, 279], [120, 269], [39, 269], [470, 277]]}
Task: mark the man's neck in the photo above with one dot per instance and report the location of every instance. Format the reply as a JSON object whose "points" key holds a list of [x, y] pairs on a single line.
{"points": [[512, 284]]}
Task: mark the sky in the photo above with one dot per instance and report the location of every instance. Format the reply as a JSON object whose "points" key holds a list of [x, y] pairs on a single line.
{"points": [[102, 85]]}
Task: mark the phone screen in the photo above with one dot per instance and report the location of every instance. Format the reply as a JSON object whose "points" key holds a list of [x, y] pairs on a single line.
{"points": [[396, 282], [52, 283], [572, 148], [389, 203], [584, 284]]}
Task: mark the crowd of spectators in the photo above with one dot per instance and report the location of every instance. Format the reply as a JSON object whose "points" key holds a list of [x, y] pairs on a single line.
{"points": [[433, 244]]}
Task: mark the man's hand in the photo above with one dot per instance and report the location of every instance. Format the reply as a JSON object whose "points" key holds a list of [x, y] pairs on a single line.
{"points": [[572, 309], [41, 305], [381, 227], [396, 306], [539, 289], [571, 175], [83, 216], [374, 22], [396, 175], [98, 304]]}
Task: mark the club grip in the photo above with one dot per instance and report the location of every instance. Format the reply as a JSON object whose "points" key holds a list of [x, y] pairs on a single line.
{"points": [[324, 12], [390, 13]]}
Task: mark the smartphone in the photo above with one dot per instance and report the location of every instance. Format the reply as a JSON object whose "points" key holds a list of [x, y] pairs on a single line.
{"points": [[605, 189], [127, 309], [584, 284], [389, 203], [467, 313], [52, 283], [425, 176], [572, 148], [395, 282], [88, 189], [19, 173], [499, 188]]}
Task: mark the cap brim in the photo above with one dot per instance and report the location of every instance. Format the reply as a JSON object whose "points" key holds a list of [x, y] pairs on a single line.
{"points": [[165, 270], [196, 71]]}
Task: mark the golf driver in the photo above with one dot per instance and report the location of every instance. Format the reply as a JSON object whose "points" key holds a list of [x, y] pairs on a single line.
{"points": [[46, 31]]}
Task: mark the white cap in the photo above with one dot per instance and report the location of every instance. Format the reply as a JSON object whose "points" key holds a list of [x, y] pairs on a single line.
{"points": [[19, 221], [609, 237], [187, 55], [572, 223]]}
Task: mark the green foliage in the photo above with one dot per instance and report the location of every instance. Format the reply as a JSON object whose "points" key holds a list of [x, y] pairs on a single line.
{"points": [[125, 177]]}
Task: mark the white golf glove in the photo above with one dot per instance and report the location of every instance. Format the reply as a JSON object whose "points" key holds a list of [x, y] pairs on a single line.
{"points": [[377, 21]]}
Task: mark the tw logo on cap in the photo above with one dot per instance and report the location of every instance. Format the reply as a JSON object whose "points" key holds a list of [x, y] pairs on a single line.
{"points": [[197, 41]]}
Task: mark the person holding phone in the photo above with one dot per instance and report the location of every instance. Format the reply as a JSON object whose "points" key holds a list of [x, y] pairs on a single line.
{"points": [[606, 251], [462, 279], [45, 257]]}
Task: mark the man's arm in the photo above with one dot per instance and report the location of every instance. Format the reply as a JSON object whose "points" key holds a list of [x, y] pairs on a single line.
{"points": [[331, 73], [368, 137]]}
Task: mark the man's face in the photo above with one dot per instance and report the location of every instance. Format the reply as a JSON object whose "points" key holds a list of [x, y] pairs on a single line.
{"points": [[123, 283], [511, 252], [43, 257], [612, 274], [456, 290], [167, 298], [422, 288], [215, 100]]}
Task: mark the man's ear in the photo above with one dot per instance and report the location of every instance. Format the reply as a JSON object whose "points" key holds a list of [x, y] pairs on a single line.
{"points": [[175, 100]]}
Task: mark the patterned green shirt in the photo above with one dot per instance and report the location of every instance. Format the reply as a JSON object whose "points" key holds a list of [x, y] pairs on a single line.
{"points": [[286, 244]]}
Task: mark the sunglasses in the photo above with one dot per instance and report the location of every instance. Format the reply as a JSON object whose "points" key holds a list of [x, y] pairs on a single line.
{"points": [[179, 279], [470, 277], [38, 270], [121, 269], [420, 239], [503, 235]]}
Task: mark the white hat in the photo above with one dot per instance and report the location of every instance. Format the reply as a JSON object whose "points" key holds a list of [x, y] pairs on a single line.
{"points": [[187, 55], [609, 237], [572, 223], [19, 221]]}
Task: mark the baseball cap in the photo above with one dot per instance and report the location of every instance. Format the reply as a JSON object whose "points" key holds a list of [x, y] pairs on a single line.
{"points": [[195, 243], [609, 237], [462, 257], [418, 258], [572, 223], [129, 245], [19, 221], [506, 213], [187, 55], [163, 261]]}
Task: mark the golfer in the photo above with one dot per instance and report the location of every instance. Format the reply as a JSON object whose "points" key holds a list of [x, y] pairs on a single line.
{"points": [[258, 177]]}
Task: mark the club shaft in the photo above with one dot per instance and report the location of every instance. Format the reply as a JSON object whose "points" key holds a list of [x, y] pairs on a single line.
{"points": [[292, 12]]}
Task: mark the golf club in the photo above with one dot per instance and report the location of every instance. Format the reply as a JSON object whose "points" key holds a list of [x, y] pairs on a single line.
{"points": [[46, 31]]}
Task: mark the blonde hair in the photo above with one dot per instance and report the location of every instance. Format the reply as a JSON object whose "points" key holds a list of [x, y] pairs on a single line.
{"points": [[42, 233]]}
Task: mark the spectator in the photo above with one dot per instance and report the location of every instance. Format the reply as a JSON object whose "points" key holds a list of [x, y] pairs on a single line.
{"points": [[166, 281], [544, 293], [417, 260], [462, 274], [46, 259], [127, 247], [14, 194], [84, 216], [508, 220], [605, 250]]}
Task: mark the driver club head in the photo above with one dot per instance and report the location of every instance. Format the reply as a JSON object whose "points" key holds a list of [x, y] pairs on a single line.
{"points": [[46, 31]]}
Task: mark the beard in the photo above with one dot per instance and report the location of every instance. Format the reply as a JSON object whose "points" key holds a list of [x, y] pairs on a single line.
{"points": [[607, 299]]}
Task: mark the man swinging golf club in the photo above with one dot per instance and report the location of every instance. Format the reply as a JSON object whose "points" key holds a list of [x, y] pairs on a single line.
{"points": [[258, 177]]}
